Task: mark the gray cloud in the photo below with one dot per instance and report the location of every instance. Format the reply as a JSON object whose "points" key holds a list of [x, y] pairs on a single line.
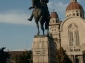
{"points": [[15, 17], [60, 6]]}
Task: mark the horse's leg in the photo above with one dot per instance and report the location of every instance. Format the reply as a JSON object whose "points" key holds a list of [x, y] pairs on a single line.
{"points": [[42, 27], [36, 21], [31, 17], [47, 25], [42, 24]]}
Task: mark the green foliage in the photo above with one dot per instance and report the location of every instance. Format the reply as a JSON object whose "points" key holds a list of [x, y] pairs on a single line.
{"points": [[26, 57], [3, 55], [61, 56]]}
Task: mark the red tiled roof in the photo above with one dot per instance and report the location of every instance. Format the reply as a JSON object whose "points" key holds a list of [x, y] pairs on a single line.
{"points": [[74, 5], [54, 15]]}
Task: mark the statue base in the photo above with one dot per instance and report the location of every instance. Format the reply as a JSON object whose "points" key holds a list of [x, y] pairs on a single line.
{"points": [[43, 49]]}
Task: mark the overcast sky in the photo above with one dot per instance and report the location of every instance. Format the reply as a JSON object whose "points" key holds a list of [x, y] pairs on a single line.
{"points": [[16, 33]]}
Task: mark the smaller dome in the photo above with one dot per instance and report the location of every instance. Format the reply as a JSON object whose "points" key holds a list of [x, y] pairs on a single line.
{"points": [[74, 5], [54, 15]]}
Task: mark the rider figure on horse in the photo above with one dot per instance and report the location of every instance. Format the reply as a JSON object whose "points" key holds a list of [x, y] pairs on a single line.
{"points": [[35, 3], [40, 13], [39, 4]]}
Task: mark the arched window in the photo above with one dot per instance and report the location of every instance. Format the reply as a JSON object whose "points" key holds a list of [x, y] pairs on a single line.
{"points": [[73, 34], [77, 37], [70, 38]]}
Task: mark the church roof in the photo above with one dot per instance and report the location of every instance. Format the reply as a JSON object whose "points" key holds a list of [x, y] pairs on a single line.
{"points": [[74, 5], [54, 15]]}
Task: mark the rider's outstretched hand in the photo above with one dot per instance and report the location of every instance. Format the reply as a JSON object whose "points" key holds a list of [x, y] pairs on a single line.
{"points": [[30, 8]]}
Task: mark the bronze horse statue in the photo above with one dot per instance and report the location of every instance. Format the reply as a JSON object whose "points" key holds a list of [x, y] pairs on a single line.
{"points": [[40, 15]]}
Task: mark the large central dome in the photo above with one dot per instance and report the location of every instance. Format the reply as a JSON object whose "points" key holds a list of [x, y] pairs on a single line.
{"points": [[74, 9], [74, 5]]}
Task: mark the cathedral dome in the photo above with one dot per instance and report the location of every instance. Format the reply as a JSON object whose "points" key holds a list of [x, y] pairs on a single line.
{"points": [[74, 5], [54, 15], [74, 9]]}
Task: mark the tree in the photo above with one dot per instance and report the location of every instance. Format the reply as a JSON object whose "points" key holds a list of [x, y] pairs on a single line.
{"points": [[3, 55], [61, 56], [26, 57]]}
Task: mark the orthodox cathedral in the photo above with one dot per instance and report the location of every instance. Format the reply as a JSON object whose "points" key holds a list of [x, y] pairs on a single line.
{"points": [[69, 33]]}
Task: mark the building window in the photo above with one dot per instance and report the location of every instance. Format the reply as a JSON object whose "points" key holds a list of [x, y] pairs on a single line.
{"points": [[73, 34], [71, 38], [73, 14], [77, 14], [80, 14], [77, 37], [76, 11]]}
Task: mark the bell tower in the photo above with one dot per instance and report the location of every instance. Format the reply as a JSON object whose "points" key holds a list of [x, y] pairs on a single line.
{"points": [[54, 26], [73, 0]]}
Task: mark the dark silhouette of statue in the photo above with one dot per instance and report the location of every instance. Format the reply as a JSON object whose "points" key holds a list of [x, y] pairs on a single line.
{"points": [[35, 4], [40, 13], [47, 14]]}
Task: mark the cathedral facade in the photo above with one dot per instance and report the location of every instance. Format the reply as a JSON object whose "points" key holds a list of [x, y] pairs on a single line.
{"points": [[69, 33]]}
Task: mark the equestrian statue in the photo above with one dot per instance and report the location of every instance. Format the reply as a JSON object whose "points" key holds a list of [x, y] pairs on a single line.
{"points": [[41, 14]]}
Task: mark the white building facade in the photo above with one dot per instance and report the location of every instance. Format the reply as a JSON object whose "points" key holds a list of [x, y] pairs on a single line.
{"points": [[70, 33]]}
